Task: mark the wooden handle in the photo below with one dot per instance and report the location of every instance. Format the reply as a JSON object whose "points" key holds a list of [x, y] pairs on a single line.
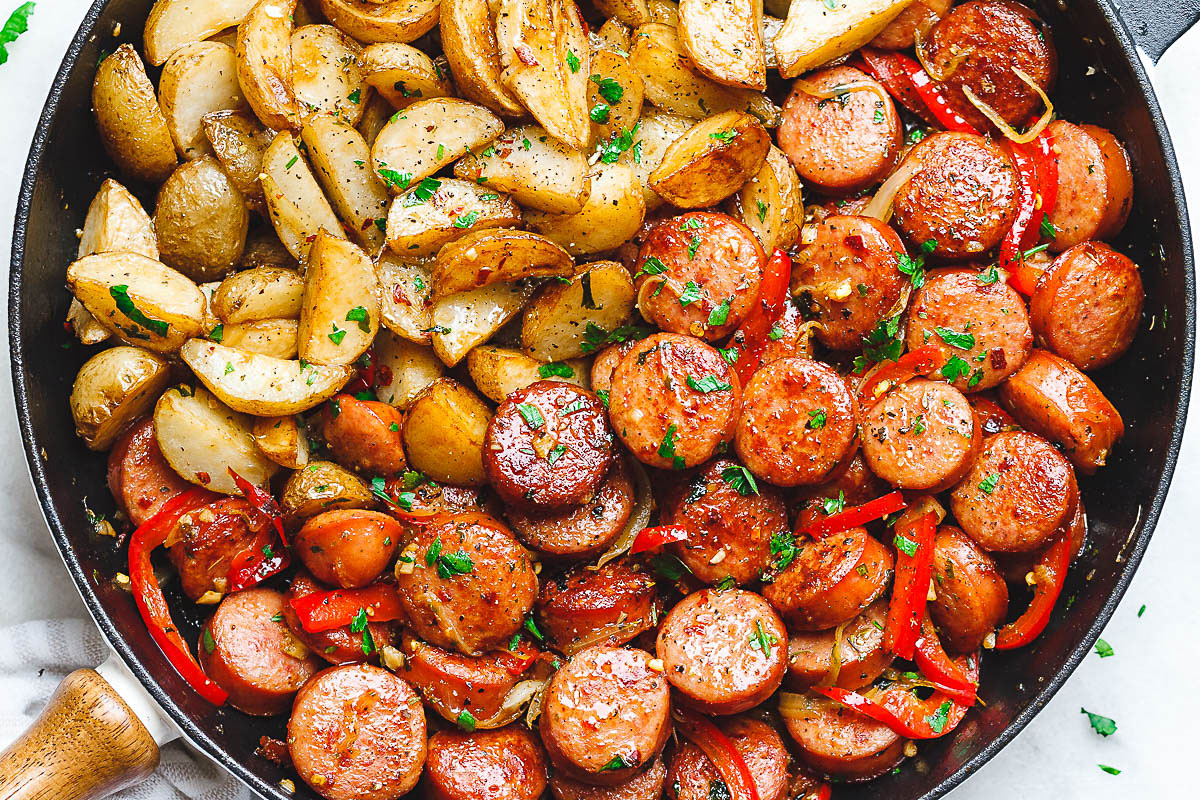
{"points": [[86, 744]]}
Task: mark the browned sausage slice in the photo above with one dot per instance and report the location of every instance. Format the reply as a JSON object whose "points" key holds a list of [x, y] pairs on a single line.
{"points": [[982, 324], [605, 364], [247, 650], [674, 401], [798, 423], [852, 486], [850, 658], [723, 651], [645, 785], [921, 436], [138, 476], [339, 645], [583, 531], [842, 743], [472, 583], [548, 446], [607, 606], [692, 776], [1088, 304], [451, 683], [831, 580], [365, 435], [357, 732], [963, 195], [699, 274], [791, 336], [972, 597], [348, 547], [1095, 184], [846, 141], [1017, 494], [1050, 396], [503, 764], [605, 714], [205, 542], [916, 20]]}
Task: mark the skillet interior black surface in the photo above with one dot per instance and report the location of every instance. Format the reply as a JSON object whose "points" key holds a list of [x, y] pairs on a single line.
{"points": [[1100, 81]]}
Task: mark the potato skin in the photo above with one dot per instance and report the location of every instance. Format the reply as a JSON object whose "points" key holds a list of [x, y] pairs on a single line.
{"points": [[322, 486], [114, 388], [131, 123], [444, 432], [201, 220]]}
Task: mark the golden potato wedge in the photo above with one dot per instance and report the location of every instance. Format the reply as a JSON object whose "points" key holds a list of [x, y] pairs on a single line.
{"points": [[500, 371], [402, 74], [613, 213], [284, 440], [259, 293], [613, 35], [114, 388], [325, 72], [536, 169], [723, 38], [497, 255], [375, 116], [443, 433], [462, 321], [814, 34], [201, 219], [674, 84], [132, 125], [322, 486], [339, 155], [712, 160], [615, 95], [427, 136], [656, 132], [298, 207], [630, 12], [469, 42], [262, 385], [86, 327], [418, 227], [546, 59], [771, 27], [211, 322], [175, 23], [371, 21], [412, 367], [238, 140], [339, 314], [770, 203], [202, 439], [200, 78], [665, 12], [142, 301], [268, 337], [116, 221], [556, 323], [263, 249], [264, 63], [405, 289]]}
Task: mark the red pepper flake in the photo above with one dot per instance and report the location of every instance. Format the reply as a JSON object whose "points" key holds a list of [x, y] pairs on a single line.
{"points": [[525, 53], [855, 242], [400, 296], [997, 359], [204, 478]]}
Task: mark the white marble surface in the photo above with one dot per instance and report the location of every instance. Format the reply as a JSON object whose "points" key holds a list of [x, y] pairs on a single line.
{"points": [[1148, 687]]}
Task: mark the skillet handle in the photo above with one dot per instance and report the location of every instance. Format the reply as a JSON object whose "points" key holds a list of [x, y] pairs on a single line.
{"points": [[87, 743], [1156, 24]]}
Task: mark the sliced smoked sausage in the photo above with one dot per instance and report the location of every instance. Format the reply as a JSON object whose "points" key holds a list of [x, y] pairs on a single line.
{"points": [[972, 598], [798, 422], [548, 446], [609, 606], [692, 776], [850, 658], [645, 785], [348, 547], [606, 713], [365, 435], [451, 683], [339, 645], [357, 732], [1095, 184], [916, 20], [1051, 397], [674, 400], [851, 486], [1088, 304], [842, 743], [503, 764], [840, 140], [699, 274], [139, 477], [205, 543], [605, 364], [723, 651]]}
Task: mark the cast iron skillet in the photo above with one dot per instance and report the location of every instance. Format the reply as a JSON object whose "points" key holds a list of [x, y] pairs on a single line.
{"points": [[1149, 386]]}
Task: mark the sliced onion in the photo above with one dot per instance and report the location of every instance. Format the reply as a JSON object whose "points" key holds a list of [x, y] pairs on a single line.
{"points": [[1000, 122], [880, 206], [535, 704], [514, 703], [841, 89], [446, 622], [835, 657], [639, 518], [924, 505], [601, 634], [927, 65], [798, 706]]}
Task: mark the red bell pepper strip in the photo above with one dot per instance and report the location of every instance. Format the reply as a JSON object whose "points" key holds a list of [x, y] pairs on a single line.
{"points": [[653, 538], [755, 331], [263, 503], [519, 660], [402, 503], [913, 364], [1037, 177], [855, 516], [910, 591], [253, 565], [149, 597], [884, 67], [931, 96], [323, 611], [1049, 575], [939, 669], [720, 751]]}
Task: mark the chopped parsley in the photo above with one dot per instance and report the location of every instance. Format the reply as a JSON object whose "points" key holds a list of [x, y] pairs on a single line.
{"points": [[355, 96], [882, 343], [337, 335], [719, 315], [740, 480], [988, 276], [595, 337], [599, 113], [937, 720], [653, 266], [1048, 230], [1104, 649], [556, 453], [456, 563], [963, 341], [393, 178], [834, 505], [556, 369], [532, 416], [1109, 770], [17, 23], [783, 547], [708, 384], [725, 137], [667, 448], [905, 545], [359, 314], [120, 294], [617, 762], [762, 211], [611, 149], [955, 368], [210, 644], [1102, 725], [761, 640], [816, 419], [988, 484], [427, 188], [690, 294], [914, 268], [608, 88], [466, 220], [217, 333], [572, 61], [466, 721]]}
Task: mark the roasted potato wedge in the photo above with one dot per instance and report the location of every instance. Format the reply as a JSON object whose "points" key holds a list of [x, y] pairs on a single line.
{"points": [[259, 293], [814, 35], [116, 221], [771, 28], [723, 38], [261, 385], [557, 321], [175, 23], [200, 78], [443, 433], [712, 160], [372, 21], [770, 203], [418, 228], [412, 366], [113, 388], [322, 486], [536, 169], [630, 12], [402, 74], [656, 132], [299, 209], [325, 72], [375, 116], [497, 255], [462, 321], [268, 337], [615, 94], [132, 125], [613, 35], [142, 301], [612, 214], [201, 219], [469, 41], [339, 314], [239, 140], [87, 329], [500, 371], [665, 12], [339, 156], [284, 440], [202, 439], [264, 63], [427, 136], [405, 289], [263, 249]]}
